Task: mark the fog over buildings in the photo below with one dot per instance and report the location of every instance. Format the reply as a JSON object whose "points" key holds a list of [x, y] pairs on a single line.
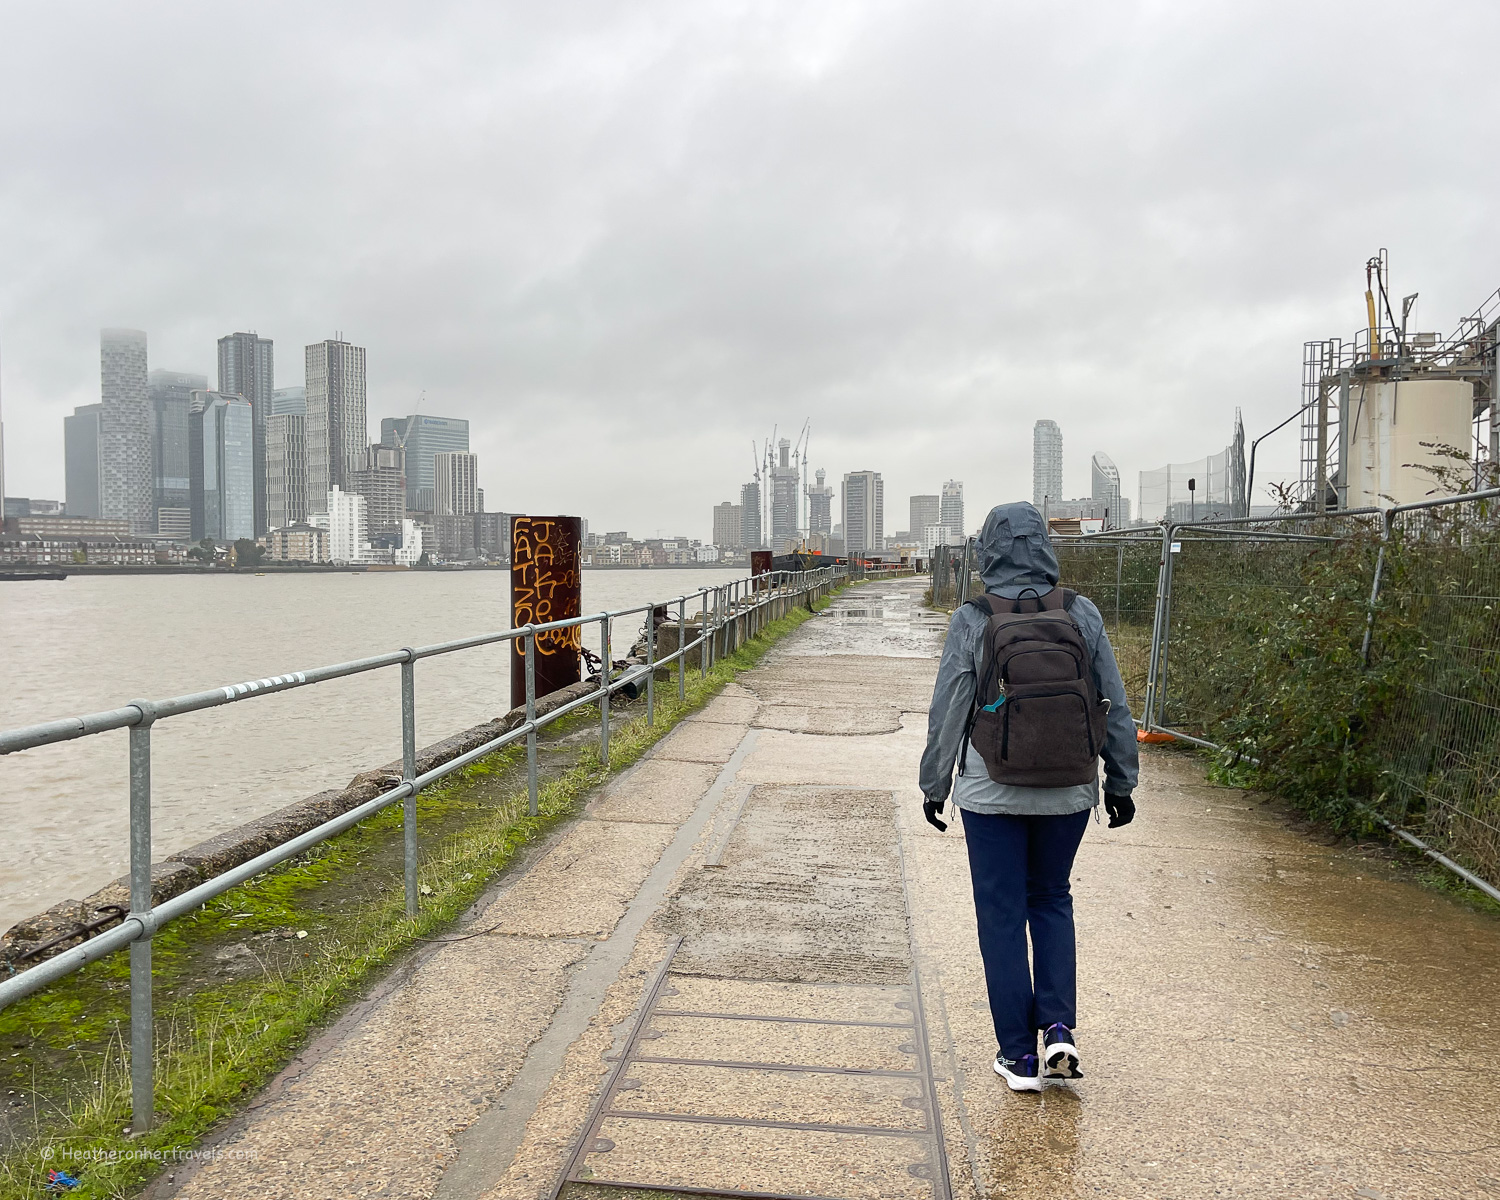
{"points": [[658, 228]]}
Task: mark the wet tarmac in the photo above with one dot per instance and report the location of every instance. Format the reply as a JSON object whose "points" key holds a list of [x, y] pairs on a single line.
{"points": [[752, 968]]}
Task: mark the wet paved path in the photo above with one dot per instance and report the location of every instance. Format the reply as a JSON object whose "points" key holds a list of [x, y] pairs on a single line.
{"points": [[757, 918]]}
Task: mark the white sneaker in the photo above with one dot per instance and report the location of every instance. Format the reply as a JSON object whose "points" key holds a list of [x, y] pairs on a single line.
{"points": [[1020, 1074], [1060, 1053]]}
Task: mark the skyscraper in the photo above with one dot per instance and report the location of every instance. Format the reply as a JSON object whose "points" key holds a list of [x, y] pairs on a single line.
{"points": [[221, 467], [421, 437], [171, 395], [125, 483], [1046, 463], [925, 511], [750, 515], [247, 368], [455, 478], [289, 400], [381, 480], [336, 431], [728, 533], [1106, 487], [951, 509], [864, 513], [820, 505], [784, 507], [81, 461], [286, 469]]}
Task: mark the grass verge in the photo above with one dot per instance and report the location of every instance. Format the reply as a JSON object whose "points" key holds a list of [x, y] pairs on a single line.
{"points": [[242, 984]]}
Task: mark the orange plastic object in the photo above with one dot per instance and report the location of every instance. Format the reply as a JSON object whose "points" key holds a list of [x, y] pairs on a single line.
{"points": [[1153, 738]]}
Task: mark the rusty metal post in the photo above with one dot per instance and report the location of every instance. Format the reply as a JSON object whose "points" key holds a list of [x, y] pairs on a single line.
{"points": [[545, 585]]}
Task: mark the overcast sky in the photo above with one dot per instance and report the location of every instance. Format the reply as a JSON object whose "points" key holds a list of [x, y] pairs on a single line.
{"points": [[625, 239]]}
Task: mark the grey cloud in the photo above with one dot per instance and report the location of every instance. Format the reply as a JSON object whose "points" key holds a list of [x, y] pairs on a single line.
{"points": [[662, 227]]}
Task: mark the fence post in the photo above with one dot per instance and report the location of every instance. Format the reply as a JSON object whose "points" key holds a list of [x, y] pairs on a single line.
{"points": [[682, 649], [604, 673], [531, 796], [1148, 709], [142, 1032], [1119, 581], [703, 638], [408, 776], [1387, 519], [651, 664]]}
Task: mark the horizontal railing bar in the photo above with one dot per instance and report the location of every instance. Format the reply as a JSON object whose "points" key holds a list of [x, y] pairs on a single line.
{"points": [[1461, 498]]}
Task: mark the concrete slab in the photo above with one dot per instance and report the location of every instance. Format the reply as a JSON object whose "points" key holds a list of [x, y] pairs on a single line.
{"points": [[800, 718], [657, 790], [375, 1115], [810, 760], [700, 741], [838, 1002], [583, 885], [806, 1097], [848, 1047], [727, 710], [842, 680], [760, 1161], [809, 890]]}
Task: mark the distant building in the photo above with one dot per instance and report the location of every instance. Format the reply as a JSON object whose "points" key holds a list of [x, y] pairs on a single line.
{"points": [[1105, 478], [820, 505], [291, 400], [344, 514], [750, 531], [1046, 463], [81, 461], [423, 437], [492, 536], [221, 467], [951, 509], [62, 528], [171, 395], [728, 532], [125, 476], [286, 469], [925, 511], [784, 506], [864, 513], [933, 536], [336, 430], [453, 536], [381, 479], [247, 368], [298, 542], [1085, 509], [455, 480]]}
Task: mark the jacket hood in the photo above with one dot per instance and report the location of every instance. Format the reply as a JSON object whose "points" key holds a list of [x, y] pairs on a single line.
{"points": [[1015, 552]]}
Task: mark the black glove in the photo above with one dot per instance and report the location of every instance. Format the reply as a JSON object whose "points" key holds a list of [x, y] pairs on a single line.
{"points": [[930, 810], [1121, 810]]}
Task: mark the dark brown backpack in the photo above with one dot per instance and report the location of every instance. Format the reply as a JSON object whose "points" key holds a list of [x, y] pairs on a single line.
{"points": [[1037, 719]]}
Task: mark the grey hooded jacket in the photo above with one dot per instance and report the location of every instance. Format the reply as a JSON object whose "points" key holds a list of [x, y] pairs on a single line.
{"points": [[1015, 554]]}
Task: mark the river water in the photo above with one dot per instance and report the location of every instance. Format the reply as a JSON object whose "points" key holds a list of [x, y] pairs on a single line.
{"points": [[90, 643]]}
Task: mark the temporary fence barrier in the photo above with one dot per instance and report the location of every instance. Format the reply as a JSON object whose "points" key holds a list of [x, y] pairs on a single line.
{"points": [[726, 616], [1378, 629]]}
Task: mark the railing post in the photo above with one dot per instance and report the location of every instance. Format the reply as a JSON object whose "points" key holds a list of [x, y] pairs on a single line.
{"points": [[408, 776], [682, 649], [604, 673], [142, 1032], [1386, 521], [703, 638], [651, 664], [531, 794]]}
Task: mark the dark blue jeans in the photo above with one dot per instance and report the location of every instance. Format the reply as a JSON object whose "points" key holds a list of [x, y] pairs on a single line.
{"points": [[1020, 868]]}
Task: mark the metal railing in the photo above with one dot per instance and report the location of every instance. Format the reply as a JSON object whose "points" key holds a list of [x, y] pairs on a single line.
{"points": [[727, 615]]}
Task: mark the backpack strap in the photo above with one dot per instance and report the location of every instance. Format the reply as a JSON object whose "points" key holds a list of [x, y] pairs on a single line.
{"points": [[985, 603], [1068, 596]]}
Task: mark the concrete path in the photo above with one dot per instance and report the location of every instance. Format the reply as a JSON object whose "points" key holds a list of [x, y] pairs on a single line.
{"points": [[751, 967]]}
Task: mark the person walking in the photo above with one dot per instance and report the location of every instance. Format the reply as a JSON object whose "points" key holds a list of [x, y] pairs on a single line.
{"points": [[1028, 698]]}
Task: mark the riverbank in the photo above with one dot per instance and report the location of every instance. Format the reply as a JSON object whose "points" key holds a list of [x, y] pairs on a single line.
{"points": [[245, 982]]}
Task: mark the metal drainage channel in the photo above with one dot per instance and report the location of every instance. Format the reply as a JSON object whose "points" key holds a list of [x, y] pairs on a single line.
{"points": [[589, 1140]]}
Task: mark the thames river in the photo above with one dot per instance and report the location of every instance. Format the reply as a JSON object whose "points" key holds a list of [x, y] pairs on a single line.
{"points": [[89, 643]]}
